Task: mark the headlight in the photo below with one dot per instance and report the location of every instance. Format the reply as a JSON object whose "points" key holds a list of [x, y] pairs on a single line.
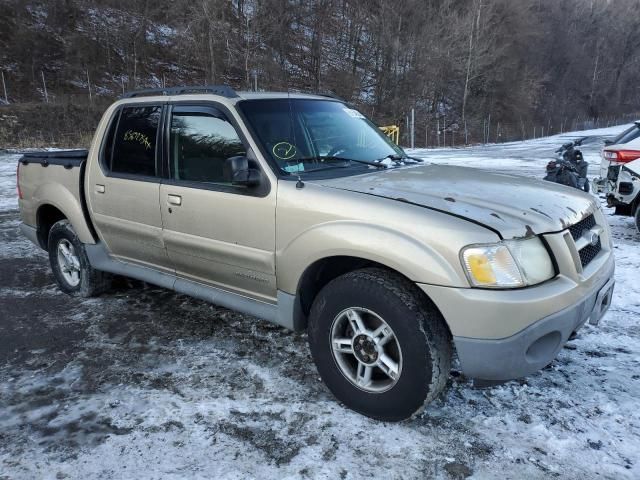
{"points": [[508, 264]]}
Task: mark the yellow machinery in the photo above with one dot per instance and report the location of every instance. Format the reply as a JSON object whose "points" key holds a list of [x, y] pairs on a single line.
{"points": [[392, 131]]}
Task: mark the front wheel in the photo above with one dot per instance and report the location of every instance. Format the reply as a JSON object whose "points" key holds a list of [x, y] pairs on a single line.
{"points": [[637, 218], [380, 346], [70, 264]]}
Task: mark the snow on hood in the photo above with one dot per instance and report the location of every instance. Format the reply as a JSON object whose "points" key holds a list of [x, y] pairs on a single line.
{"points": [[512, 205]]}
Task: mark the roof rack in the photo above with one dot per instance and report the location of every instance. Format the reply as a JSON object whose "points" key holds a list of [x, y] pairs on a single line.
{"points": [[222, 90], [319, 93], [330, 94]]}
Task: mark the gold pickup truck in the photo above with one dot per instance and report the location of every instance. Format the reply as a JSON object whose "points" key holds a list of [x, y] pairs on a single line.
{"points": [[296, 209]]}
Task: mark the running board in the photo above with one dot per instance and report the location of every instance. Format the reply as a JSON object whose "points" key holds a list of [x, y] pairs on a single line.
{"points": [[280, 313]]}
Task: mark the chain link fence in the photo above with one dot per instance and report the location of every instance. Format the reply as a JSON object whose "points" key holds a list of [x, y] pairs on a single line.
{"points": [[443, 132]]}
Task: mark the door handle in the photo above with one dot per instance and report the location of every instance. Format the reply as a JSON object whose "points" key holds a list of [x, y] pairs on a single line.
{"points": [[100, 188], [174, 200]]}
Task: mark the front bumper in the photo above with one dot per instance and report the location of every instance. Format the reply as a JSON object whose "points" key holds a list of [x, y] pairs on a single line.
{"points": [[534, 347], [502, 335]]}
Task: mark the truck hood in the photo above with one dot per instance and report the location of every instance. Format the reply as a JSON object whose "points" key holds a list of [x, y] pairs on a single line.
{"points": [[511, 205]]}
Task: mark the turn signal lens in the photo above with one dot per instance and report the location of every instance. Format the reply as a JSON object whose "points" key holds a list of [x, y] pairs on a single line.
{"points": [[480, 269]]}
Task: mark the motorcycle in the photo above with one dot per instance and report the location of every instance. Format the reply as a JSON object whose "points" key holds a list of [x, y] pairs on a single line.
{"points": [[569, 168]]}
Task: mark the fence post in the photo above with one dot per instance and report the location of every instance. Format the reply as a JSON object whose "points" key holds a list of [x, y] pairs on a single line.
{"points": [[413, 125], [46, 96], [4, 87], [444, 130], [426, 134], [89, 86], [407, 128]]}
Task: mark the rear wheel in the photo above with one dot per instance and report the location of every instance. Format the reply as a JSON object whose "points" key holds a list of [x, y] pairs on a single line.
{"points": [[380, 346], [637, 217], [70, 265]]}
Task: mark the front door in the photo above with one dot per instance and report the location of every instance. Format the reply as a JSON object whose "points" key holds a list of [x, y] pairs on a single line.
{"points": [[216, 233], [123, 187]]}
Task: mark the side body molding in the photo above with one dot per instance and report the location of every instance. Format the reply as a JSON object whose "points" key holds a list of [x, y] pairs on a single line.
{"points": [[280, 313]]}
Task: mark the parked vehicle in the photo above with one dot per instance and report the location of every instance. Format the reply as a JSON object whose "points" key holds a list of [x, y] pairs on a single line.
{"points": [[626, 196], [616, 152], [569, 168], [296, 209]]}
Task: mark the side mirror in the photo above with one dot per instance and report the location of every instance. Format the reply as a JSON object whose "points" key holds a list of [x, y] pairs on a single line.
{"points": [[238, 172], [608, 142]]}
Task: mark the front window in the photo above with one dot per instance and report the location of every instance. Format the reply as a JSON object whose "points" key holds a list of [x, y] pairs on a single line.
{"points": [[304, 135], [200, 144]]}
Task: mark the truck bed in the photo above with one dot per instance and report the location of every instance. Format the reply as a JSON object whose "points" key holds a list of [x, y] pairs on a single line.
{"points": [[51, 181]]}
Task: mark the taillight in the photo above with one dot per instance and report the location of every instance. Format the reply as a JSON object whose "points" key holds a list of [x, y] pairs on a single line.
{"points": [[626, 156], [621, 156], [18, 181]]}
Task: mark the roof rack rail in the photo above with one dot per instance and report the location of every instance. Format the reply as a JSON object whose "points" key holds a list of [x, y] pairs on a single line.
{"points": [[222, 90], [330, 94], [319, 93]]}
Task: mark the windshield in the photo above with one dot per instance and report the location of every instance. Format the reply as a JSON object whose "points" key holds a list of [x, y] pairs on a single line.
{"points": [[302, 135]]}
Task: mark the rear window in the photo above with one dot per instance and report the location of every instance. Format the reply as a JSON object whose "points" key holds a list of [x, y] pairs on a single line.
{"points": [[134, 147], [628, 135]]}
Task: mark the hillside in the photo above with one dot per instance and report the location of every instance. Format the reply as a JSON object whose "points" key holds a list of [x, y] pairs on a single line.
{"points": [[484, 68]]}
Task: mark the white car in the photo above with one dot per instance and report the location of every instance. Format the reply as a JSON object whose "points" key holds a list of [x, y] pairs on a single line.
{"points": [[626, 196], [616, 152]]}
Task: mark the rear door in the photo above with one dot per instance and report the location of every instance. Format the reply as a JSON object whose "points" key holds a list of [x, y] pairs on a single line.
{"points": [[124, 186], [215, 233]]}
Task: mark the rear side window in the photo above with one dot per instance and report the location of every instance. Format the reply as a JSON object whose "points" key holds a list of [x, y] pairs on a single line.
{"points": [[134, 146], [200, 144]]}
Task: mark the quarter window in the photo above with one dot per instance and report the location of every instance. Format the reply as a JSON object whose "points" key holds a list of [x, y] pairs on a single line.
{"points": [[134, 149], [200, 144]]}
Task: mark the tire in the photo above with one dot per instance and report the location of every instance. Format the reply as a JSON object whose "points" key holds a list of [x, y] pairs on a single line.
{"points": [[637, 218], [70, 264], [419, 344]]}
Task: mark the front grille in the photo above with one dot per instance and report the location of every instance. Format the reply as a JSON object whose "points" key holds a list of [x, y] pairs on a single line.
{"points": [[586, 223], [589, 252]]}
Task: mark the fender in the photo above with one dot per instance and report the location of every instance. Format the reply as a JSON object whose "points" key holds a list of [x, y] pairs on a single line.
{"points": [[64, 200], [400, 252]]}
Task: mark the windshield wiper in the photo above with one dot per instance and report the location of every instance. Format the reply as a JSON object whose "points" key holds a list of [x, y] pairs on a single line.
{"points": [[375, 163], [327, 167], [395, 157]]}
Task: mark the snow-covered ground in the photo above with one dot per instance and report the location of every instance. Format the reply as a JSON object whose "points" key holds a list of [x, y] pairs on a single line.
{"points": [[144, 383]]}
